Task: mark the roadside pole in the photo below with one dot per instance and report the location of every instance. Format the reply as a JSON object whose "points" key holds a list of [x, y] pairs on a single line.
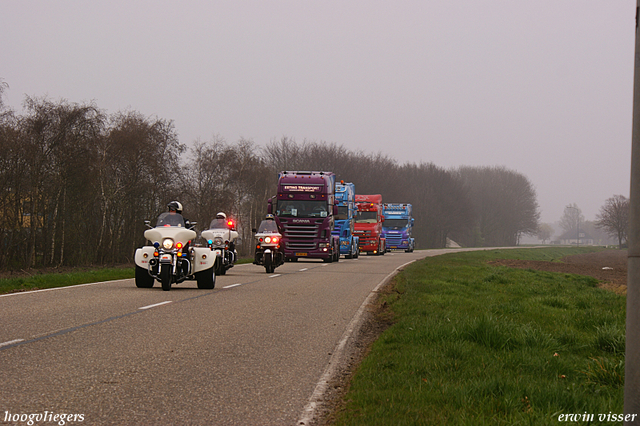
{"points": [[632, 351]]}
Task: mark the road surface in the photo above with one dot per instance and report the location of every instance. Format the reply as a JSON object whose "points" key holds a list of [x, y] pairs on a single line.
{"points": [[253, 351]]}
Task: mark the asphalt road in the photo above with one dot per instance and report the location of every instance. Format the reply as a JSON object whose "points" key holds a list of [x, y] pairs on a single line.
{"points": [[250, 352]]}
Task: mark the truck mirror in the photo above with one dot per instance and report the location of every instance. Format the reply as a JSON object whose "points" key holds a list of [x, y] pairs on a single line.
{"points": [[381, 218]]}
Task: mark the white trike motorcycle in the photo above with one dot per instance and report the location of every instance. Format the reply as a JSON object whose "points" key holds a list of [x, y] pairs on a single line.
{"points": [[171, 259], [221, 238]]}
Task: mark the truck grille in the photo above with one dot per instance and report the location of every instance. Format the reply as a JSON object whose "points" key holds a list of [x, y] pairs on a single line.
{"points": [[300, 236], [394, 240]]}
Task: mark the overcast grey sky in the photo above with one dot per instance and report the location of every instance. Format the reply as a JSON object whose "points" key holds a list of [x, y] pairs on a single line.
{"points": [[543, 87]]}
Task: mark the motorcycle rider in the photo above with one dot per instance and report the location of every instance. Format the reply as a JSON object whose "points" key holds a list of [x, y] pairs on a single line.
{"points": [[175, 209], [221, 222], [269, 224]]}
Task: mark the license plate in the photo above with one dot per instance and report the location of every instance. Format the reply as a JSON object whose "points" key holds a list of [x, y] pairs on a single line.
{"points": [[393, 247], [165, 258], [301, 254]]}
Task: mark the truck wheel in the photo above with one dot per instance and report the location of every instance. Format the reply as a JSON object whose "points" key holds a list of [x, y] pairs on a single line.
{"points": [[165, 277], [143, 279], [357, 252], [206, 279]]}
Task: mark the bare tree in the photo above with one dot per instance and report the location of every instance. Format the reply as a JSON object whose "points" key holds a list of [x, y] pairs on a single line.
{"points": [[614, 218], [504, 205], [571, 218], [545, 232]]}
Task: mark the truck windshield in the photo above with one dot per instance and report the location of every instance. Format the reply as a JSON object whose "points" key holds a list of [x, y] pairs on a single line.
{"points": [[367, 217], [395, 223], [301, 208], [343, 213]]}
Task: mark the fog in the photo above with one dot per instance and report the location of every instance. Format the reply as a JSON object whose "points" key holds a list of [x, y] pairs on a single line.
{"points": [[543, 88]]}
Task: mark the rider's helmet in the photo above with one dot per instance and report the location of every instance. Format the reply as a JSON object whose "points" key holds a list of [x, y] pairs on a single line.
{"points": [[221, 216], [175, 205], [269, 216]]}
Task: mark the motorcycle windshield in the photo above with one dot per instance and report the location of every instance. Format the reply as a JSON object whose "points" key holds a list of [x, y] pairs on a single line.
{"points": [[268, 226], [170, 219], [219, 224]]}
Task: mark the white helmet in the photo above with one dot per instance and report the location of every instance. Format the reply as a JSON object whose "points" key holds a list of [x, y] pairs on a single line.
{"points": [[221, 216], [175, 205]]}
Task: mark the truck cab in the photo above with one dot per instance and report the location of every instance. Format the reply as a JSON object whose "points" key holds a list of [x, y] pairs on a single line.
{"points": [[398, 226], [368, 224], [304, 208], [345, 219]]}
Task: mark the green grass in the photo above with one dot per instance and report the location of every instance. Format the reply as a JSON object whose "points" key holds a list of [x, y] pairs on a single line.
{"points": [[74, 277], [50, 280], [474, 344]]}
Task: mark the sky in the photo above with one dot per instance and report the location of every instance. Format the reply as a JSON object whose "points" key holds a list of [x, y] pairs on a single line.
{"points": [[542, 87]]}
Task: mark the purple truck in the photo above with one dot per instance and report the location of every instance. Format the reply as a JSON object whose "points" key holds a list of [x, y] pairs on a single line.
{"points": [[304, 210]]}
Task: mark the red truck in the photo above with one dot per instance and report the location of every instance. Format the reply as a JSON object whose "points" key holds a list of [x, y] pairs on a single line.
{"points": [[368, 224]]}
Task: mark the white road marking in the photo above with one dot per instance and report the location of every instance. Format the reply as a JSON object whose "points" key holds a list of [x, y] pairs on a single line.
{"points": [[156, 304], [324, 265], [11, 342], [62, 288], [309, 411], [232, 285], [273, 276], [303, 269]]}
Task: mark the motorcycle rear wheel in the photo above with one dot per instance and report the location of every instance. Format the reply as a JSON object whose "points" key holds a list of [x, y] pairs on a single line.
{"points": [[143, 279], [206, 279], [165, 277]]}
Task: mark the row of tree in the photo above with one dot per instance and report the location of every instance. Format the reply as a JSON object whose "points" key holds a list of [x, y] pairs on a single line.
{"points": [[76, 185]]}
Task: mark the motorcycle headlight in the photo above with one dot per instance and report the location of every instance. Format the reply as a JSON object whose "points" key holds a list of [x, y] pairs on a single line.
{"points": [[167, 243], [217, 241], [267, 240]]}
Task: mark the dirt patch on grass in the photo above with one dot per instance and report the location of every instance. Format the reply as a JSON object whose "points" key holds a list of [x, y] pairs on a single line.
{"points": [[607, 266]]}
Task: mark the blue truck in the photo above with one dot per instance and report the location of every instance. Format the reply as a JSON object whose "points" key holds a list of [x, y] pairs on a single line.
{"points": [[345, 194], [397, 227]]}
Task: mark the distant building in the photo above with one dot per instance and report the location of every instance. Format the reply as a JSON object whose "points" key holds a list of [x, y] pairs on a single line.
{"points": [[572, 238]]}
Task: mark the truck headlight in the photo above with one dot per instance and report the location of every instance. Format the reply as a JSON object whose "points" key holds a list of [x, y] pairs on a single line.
{"points": [[167, 243]]}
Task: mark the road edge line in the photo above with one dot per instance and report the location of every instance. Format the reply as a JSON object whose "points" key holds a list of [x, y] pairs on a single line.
{"points": [[309, 412]]}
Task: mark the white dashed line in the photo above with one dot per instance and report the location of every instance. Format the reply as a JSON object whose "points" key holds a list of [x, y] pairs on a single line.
{"points": [[156, 304], [232, 285], [11, 342], [273, 276], [303, 269]]}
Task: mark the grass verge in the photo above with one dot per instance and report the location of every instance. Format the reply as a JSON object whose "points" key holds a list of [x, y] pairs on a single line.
{"points": [[474, 344], [38, 280], [77, 276]]}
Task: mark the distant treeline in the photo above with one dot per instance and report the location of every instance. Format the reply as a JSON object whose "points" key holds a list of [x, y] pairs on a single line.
{"points": [[77, 184]]}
